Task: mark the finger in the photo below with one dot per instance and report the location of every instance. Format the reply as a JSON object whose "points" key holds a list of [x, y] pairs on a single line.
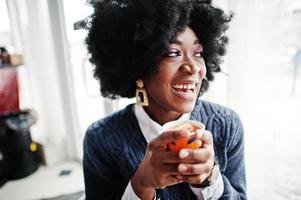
{"points": [[195, 179], [199, 133], [169, 169], [168, 136], [195, 155], [167, 157], [172, 180], [169, 180], [206, 138], [195, 169]]}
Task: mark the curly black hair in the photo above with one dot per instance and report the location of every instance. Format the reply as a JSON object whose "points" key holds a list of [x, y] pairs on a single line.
{"points": [[126, 36]]}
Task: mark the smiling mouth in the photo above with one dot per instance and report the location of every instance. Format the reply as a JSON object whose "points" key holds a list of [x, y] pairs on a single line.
{"points": [[188, 88]]}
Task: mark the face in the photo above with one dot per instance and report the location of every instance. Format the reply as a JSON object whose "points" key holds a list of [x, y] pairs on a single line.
{"points": [[174, 89]]}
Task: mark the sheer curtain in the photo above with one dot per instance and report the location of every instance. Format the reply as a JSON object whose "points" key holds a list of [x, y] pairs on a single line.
{"points": [[264, 88]]}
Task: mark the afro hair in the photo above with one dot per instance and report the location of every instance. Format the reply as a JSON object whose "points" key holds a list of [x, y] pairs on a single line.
{"points": [[126, 36]]}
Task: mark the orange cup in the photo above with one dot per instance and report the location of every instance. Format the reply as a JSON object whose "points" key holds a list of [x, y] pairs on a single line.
{"points": [[190, 142]]}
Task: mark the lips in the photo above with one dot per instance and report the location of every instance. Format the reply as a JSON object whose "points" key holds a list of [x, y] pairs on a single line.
{"points": [[188, 88]]}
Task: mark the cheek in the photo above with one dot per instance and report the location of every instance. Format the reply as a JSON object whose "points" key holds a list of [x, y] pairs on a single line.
{"points": [[203, 72], [156, 84], [158, 80], [163, 81], [165, 75]]}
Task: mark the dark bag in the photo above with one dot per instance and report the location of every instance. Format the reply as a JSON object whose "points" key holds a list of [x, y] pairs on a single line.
{"points": [[20, 156]]}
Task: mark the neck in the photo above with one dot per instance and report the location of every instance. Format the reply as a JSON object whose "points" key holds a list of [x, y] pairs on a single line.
{"points": [[161, 116]]}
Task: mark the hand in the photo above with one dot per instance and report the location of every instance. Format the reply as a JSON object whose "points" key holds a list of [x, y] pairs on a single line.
{"points": [[159, 168], [196, 164]]}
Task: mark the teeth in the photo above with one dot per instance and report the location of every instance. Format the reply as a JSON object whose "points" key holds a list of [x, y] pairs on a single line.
{"points": [[184, 86]]}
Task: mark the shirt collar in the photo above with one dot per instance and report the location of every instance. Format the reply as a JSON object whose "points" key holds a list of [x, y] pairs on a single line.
{"points": [[149, 128]]}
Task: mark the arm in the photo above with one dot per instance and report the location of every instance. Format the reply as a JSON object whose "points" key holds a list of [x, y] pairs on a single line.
{"points": [[213, 191], [129, 193], [158, 168], [234, 175], [101, 181], [202, 174]]}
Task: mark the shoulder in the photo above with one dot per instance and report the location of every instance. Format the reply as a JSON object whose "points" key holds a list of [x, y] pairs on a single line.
{"points": [[209, 110], [224, 123], [108, 129]]}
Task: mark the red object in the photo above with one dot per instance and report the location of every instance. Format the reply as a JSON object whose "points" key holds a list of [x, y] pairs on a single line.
{"points": [[9, 90]]}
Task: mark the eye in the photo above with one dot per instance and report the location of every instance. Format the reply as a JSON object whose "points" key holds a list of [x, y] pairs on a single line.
{"points": [[173, 53], [198, 54]]}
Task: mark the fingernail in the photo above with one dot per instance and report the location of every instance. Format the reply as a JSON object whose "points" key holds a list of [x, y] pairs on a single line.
{"points": [[183, 154], [199, 133], [182, 168], [206, 137]]}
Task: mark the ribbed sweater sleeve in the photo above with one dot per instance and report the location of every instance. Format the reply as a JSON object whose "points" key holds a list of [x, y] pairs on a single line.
{"points": [[228, 135], [234, 173], [108, 160], [100, 175]]}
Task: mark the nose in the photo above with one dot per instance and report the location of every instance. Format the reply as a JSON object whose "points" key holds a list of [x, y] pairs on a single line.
{"points": [[190, 66]]}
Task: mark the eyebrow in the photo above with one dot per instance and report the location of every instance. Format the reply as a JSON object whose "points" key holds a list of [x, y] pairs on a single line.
{"points": [[175, 41]]}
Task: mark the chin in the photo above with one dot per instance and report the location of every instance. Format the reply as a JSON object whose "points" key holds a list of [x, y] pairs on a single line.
{"points": [[186, 107]]}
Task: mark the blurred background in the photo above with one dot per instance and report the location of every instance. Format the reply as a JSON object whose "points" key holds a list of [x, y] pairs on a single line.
{"points": [[48, 96]]}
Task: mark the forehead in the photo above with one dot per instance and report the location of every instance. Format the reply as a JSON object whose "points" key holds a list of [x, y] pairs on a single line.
{"points": [[187, 36]]}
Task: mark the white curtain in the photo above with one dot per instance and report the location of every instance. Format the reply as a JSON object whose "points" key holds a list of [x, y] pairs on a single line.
{"points": [[264, 88]]}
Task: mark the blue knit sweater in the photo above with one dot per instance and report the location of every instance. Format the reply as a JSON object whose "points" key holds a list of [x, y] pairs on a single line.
{"points": [[115, 145]]}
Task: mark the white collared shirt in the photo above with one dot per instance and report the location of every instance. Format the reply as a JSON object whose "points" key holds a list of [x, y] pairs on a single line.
{"points": [[151, 130]]}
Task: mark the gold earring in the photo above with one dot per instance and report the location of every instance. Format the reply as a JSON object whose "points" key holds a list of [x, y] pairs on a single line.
{"points": [[141, 96]]}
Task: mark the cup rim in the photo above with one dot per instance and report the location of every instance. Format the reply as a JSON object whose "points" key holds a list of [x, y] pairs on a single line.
{"points": [[169, 125]]}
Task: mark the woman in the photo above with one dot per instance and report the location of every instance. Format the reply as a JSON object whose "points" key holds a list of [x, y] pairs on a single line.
{"points": [[164, 53]]}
